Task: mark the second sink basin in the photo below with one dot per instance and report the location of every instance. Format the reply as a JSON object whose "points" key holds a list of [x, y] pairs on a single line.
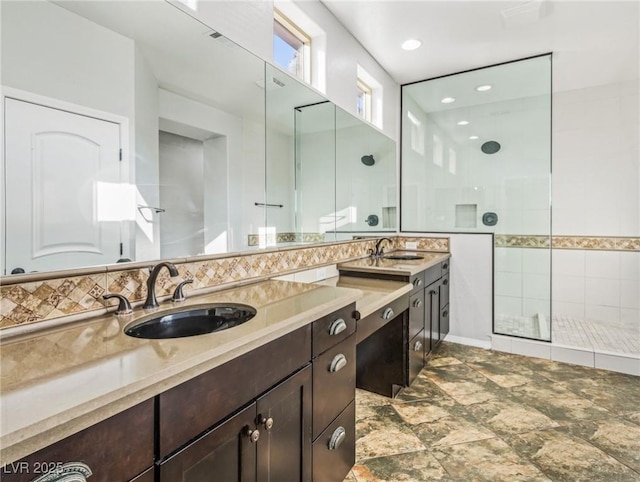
{"points": [[403, 256], [192, 322]]}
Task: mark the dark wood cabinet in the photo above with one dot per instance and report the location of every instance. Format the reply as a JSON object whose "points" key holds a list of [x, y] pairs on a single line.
{"points": [[269, 440], [334, 450], [116, 450]]}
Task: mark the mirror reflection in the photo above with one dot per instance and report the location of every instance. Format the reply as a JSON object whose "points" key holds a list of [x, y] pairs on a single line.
{"points": [[148, 135]]}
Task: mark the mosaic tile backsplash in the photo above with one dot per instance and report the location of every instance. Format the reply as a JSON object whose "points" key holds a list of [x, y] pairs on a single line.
{"points": [[568, 242], [47, 299]]}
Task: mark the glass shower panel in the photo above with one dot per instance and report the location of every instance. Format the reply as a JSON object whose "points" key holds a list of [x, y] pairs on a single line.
{"points": [[315, 170], [366, 183], [286, 98], [476, 157]]}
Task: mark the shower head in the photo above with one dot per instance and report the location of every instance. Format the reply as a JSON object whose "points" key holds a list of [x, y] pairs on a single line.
{"points": [[490, 147], [368, 160]]}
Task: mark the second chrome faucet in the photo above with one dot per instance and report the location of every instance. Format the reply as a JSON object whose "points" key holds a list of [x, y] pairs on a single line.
{"points": [[151, 301]]}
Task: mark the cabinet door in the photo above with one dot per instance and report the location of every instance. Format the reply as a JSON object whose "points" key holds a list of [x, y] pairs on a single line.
{"points": [[284, 420], [432, 322], [228, 452]]}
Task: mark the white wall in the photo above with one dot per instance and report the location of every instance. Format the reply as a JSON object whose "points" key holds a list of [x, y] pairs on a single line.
{"points": [[250, 24]]}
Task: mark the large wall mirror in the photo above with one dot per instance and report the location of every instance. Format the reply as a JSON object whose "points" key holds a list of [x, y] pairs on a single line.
{"points": [[134, 132]]}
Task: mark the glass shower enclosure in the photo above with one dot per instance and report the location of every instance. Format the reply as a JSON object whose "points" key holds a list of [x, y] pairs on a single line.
{"points": [[476, 158]]}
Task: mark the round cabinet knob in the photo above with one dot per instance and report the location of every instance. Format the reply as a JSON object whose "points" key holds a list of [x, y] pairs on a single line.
{"points": [[267, 422], [338, 363], [337, 438], [445, 314], [433, 292], [387, 314], [337, 326], [254, 435], [417, 346], [417, 282], [445, 265], [417, 303], [445, 282]]}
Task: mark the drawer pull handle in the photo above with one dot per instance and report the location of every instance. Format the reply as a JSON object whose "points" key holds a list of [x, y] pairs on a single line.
{"points": [[254, 435], [337, 326], [76, 471], [337, 438], [417, 282], [445, 282], [388, 314], [338, 363], [417, 303], [267, 422], [417, 346]]}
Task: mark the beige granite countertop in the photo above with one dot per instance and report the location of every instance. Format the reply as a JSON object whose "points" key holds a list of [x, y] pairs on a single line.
{"points": [[62, 380], [395, 266], [376, 293]]}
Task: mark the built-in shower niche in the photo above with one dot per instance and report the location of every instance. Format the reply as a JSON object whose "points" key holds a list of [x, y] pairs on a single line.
{"points": [[467, 216]]}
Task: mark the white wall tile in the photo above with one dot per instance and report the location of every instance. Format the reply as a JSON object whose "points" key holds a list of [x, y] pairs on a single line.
{"points": [[532, 306], [602, 264], [536, 286], [501, 343], [617, 363], [605, 314], [508, 284], [568, 262], [602, 291], [630, 266], [536, 261], [508, 259], [508, 305], [572, 355], [531, 348], [630, 294], [564, 308], [630, 318], [568, 288]]}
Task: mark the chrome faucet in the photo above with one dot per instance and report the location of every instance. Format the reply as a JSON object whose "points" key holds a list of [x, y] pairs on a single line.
{"points": [[151, 301], [379, 250]]}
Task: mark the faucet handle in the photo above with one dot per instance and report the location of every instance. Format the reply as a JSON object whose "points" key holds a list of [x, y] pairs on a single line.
{"points": [[124, 307], [178, 294]]}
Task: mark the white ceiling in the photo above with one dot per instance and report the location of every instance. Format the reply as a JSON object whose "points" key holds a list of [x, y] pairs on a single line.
{"points": [[594, 42]]}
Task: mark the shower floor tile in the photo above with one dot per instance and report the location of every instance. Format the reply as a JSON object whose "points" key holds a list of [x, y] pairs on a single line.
{"points": [[596, 335], [555, 422]]}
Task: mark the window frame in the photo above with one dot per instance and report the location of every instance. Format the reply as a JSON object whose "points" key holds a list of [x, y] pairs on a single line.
{"points": [[301, 36], [367, 92]]}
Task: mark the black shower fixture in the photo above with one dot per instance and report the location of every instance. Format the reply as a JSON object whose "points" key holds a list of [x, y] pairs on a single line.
{"points": [[368, 160], [490, 147]]}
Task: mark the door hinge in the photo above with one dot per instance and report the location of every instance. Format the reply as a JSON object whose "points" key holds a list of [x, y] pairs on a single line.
{"points": [[121, 249], [120, 154]]}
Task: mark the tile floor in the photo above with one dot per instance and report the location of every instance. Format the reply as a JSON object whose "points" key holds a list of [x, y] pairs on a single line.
{"points": [[480, 415]]}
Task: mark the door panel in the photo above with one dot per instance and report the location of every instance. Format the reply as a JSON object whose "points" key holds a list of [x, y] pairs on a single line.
{"points": [[226, 453], [284, 449], [60, 169]]}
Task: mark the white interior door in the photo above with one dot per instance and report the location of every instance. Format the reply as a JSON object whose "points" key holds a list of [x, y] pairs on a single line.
{"points": [[60, 169]]}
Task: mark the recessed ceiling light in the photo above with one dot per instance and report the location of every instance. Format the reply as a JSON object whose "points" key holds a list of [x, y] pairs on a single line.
{"points": [[483, 88], [411, 44], [448, 100], [463, 123], [473, 138]]}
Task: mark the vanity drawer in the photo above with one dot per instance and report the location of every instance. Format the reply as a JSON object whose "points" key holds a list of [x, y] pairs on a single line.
{"points": [[444, 267], [416, 313], [191, 408], [417, 280], [416, 350], [333, 328], [432, 274], [332, 463], [376, 320], [334, 383], [444, 291], [116, 449]]}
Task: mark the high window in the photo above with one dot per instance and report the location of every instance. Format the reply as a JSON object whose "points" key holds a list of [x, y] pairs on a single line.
{"points": [[363, 105], [291, 47]]}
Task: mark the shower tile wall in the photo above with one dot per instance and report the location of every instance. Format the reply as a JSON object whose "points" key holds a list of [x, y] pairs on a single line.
{"points": [[596, 174]]}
